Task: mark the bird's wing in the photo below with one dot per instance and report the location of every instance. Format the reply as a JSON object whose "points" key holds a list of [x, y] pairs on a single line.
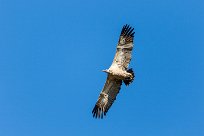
{"points": [[124, 48], [107, 96]]}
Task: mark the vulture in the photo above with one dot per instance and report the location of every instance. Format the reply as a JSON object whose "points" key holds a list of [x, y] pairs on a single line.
{"points": [[117, 73]]}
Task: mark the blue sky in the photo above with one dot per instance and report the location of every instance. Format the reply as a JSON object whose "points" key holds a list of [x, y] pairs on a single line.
{"points": [[52, 53]]}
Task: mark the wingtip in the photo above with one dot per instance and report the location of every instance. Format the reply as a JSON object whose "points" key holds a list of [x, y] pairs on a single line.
{"points": [[98, 112], [127, 30]]}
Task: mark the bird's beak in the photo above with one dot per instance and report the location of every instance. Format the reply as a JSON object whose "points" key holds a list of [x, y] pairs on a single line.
{"points": [[105, 71]]}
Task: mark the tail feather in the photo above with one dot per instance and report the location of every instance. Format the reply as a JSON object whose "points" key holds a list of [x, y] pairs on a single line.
{"points": [[129, 80]]}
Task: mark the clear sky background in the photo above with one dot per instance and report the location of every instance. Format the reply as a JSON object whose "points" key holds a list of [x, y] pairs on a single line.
{"points": [[52, 53]]}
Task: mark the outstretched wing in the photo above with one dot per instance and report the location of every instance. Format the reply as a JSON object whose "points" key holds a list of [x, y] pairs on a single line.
{"points": [[107, 96], [124, 48]]}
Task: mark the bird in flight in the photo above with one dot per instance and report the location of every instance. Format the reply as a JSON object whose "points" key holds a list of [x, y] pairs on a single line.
{"points": [[118, 73]]}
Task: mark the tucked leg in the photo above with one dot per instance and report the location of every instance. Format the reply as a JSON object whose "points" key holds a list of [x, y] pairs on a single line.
{"points": [[130, 78]]}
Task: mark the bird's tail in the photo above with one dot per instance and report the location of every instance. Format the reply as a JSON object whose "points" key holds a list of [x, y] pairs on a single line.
{"points": [[129, 80]]}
